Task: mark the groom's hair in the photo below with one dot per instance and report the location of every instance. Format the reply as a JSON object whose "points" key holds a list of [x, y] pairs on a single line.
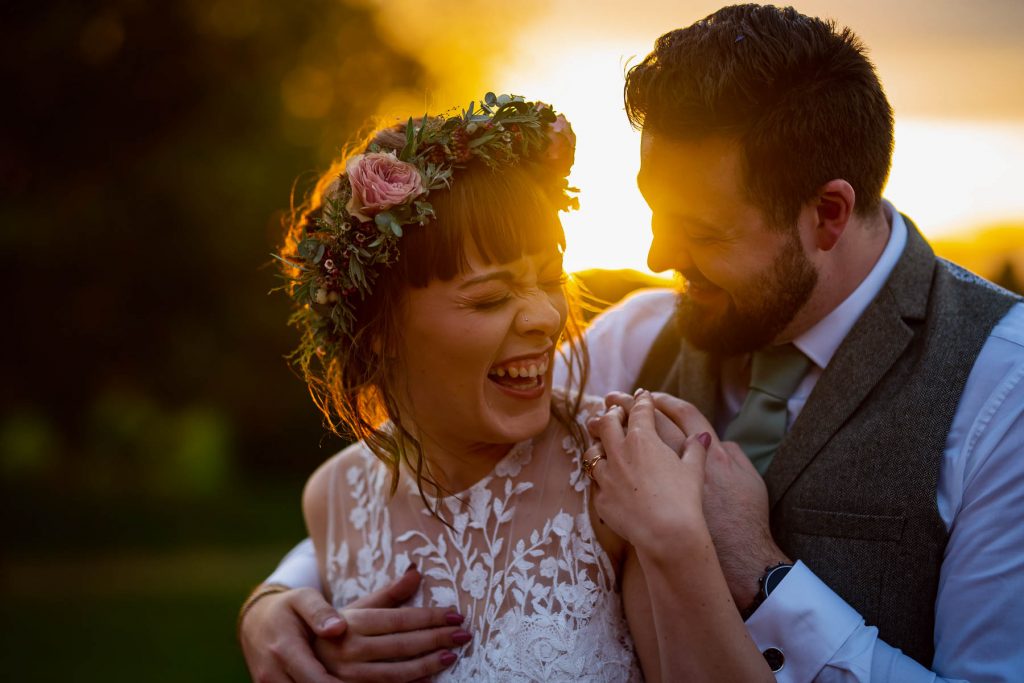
{"points": [[799, 95]]}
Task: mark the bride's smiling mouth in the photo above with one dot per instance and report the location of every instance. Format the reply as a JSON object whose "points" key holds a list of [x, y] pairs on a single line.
{"points": [[523, 376]]}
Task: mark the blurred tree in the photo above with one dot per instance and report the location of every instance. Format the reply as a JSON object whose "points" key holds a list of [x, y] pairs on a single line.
{"points": [[147, 158], [1007, 277]]}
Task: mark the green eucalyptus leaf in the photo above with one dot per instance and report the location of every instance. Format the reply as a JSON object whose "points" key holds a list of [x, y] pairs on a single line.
{"points": [[409, 151], [423, 130], [383, 220], [311, 250], [289, 263]]}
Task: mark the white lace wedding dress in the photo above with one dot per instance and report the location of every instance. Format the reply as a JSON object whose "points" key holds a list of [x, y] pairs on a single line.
{"points": [[521, 564]]}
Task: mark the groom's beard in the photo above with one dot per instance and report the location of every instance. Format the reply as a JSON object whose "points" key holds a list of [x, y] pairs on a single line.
{"points": [[757, 312]]}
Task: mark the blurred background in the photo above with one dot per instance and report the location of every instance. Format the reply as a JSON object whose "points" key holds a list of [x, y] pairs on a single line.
{"points": [[153, 442]]}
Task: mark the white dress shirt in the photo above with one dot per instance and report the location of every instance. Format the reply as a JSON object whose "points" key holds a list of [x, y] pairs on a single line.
{"points": [[979, 609]]}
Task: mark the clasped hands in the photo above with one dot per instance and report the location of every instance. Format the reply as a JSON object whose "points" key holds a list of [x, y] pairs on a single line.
{"points": [[666, 478]]}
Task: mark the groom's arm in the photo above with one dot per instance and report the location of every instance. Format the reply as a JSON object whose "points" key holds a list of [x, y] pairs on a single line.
{"points": [[298, 569], [979, 608]]}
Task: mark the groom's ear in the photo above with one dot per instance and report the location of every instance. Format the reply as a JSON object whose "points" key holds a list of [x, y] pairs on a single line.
{"points": [[835, 201]]}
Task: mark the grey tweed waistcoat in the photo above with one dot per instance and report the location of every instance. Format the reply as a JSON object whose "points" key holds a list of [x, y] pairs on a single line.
{"points": [[853, 484]]}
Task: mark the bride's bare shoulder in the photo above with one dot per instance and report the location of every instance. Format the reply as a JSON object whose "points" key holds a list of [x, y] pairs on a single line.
{"points": [[329, 474]]}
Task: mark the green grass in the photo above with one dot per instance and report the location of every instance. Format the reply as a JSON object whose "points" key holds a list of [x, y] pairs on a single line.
{"points": [[166, 616], [155, 639]]}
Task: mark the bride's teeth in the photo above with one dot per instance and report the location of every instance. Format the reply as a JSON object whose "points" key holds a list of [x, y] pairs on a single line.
{"points": [[532, 371]]}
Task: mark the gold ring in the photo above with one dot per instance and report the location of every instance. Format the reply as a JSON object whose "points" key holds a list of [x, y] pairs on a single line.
{"points": [[590, 463]]}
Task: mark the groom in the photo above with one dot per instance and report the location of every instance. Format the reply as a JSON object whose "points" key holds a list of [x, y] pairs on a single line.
{"points": [[879, 390]]}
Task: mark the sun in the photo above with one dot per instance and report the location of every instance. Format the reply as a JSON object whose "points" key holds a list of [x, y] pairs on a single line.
{"points": [[612, 227], [950, 176]]}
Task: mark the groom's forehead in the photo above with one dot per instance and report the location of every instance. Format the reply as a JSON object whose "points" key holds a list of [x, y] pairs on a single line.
{"points": [[666, 163]]}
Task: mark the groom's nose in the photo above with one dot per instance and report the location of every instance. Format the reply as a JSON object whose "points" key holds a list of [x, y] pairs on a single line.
{"points": [[668, 252]]}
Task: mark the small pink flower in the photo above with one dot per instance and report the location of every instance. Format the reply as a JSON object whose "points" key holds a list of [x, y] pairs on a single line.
{"points": [[380, 180], [562, 147]]}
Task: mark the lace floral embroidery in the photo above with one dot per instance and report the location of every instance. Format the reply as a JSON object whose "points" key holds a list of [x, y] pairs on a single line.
{"points": [[521, 564]]}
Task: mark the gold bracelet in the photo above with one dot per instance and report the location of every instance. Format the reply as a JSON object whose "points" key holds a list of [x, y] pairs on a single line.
{"points": [[258, 593]]}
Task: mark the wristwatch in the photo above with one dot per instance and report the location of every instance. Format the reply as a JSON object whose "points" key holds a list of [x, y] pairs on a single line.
{"points": [[768, 582]]}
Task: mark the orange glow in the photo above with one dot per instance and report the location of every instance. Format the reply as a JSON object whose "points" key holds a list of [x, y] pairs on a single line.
{"points": [[950, 176], [960, 123]]}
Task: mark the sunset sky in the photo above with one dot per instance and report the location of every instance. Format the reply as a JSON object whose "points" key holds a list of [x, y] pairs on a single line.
{"points": [[953, 71]]}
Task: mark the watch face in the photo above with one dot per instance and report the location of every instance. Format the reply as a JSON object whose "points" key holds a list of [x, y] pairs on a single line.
{"points": [[775, 577]]}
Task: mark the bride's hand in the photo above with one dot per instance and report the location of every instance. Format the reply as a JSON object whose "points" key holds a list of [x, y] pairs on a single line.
{"points": [[735, 505], [393, 644], [646, 492], [671, 433]]}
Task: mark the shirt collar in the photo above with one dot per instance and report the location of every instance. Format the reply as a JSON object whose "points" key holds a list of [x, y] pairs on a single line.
{"points": [[821, 341]]}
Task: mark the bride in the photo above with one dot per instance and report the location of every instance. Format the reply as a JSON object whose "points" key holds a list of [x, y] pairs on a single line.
{"points": [[429, 290]]}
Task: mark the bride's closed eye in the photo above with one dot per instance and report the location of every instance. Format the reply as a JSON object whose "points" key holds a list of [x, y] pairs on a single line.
{"points": [[488, 304]]}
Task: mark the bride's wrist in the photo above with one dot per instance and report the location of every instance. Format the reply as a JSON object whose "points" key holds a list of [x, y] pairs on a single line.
{"points": [[680, 541]]}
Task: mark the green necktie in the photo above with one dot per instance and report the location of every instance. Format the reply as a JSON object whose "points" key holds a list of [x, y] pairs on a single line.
{"points": [[775, 373]]}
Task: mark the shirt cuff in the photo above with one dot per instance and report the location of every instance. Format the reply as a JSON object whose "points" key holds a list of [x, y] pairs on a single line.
{"points": [[806, 621], [298, 569]]}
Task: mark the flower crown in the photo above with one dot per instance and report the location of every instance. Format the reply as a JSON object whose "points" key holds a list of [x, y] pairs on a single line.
{"points": [[356, 230]]}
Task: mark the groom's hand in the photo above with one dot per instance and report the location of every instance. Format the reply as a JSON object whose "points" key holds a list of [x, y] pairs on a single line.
{"points": [[736, 507], [275, 633], [284, 639]]}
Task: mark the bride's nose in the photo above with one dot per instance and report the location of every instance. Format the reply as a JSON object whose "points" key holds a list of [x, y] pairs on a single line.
{"points": [[539, 315]]}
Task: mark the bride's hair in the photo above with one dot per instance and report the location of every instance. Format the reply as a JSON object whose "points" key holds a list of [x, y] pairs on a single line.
{"points": [[505, 213]]}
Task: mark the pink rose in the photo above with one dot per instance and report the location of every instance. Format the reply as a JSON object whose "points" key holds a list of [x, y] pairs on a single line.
{"points": [[562, 147], [380, 180]]}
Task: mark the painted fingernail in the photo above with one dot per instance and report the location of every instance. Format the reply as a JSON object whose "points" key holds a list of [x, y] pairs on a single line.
{"points": [[705, 439], [461, 637], [410, 568], [454, 618], [330, 622], [448, 658], [639, 390]]}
